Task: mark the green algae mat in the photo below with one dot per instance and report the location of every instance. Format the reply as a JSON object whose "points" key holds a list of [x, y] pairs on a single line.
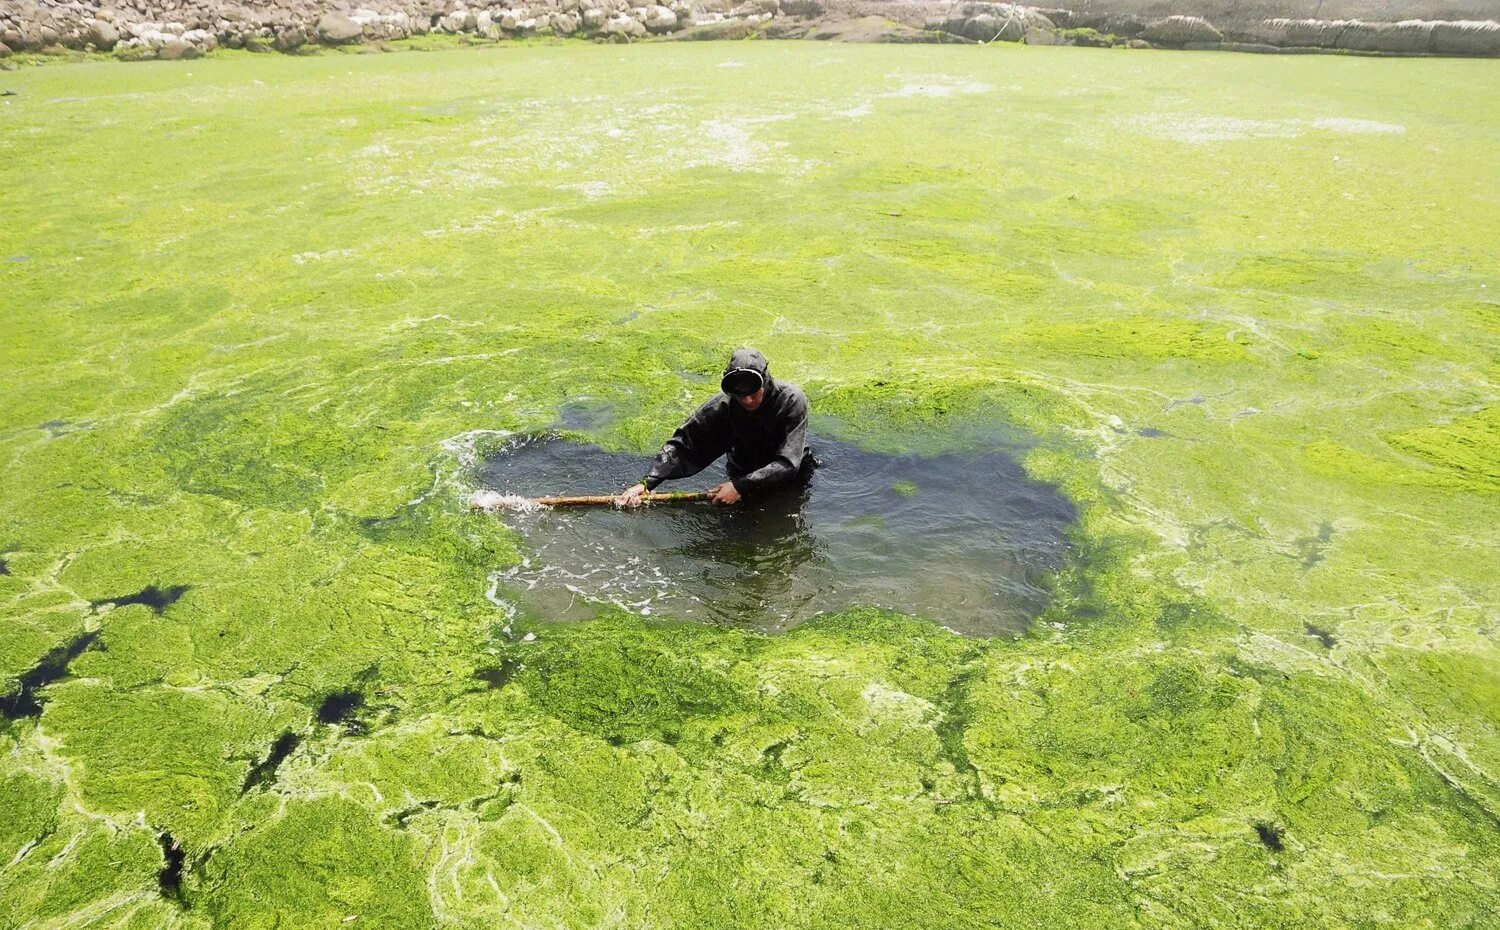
{"points": [[264, 320]]}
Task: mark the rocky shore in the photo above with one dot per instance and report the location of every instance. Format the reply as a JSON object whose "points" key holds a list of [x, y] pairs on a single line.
{"points": [[175, 29]]}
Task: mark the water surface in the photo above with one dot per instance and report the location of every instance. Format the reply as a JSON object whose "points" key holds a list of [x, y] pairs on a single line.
{"points": [[965, 539]]}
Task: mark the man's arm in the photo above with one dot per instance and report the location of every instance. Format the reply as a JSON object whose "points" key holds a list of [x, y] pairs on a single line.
{"points": [[695, 445]]}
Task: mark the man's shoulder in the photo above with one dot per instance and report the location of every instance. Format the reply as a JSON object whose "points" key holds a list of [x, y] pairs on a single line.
{"points": [[715, 404], [794, 400]]}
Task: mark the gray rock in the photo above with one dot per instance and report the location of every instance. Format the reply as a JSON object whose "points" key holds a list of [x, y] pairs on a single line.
{"points": [[1180, 30], [803, 7], [593, 20], [660, 19], [338, 29], [177, 50], [289, 38], [785, 27], [1039, 36], [991, 22], [723, 29], [5, 51], [621, 25], [1302, 33], [1466, 38], [1409, 37]]}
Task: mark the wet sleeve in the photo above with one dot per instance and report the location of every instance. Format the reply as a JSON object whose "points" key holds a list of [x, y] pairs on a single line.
{"points": [[787, 462], [695, 445]]}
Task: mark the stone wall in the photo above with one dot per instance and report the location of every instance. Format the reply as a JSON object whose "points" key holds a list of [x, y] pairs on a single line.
{"points": [[171, 29]]}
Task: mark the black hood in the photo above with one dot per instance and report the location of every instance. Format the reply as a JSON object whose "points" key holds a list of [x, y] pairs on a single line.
{"points": [[735, 380]]}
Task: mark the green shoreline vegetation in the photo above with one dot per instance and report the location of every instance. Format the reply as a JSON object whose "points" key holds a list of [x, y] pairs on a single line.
{"points": [[259, 313]]}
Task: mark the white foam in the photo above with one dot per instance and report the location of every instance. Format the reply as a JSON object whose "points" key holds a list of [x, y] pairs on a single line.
{"points": [[492, 501]]}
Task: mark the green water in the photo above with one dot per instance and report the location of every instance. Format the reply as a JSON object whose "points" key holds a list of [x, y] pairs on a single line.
{"points": [[258, 311]]}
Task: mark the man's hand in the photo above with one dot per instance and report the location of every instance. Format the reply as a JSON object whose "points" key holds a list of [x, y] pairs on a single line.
{"points": [[726, 494], [632, 496]]}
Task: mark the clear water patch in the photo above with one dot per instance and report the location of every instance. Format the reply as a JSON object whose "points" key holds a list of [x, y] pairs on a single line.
{"points": [[965, 539]]}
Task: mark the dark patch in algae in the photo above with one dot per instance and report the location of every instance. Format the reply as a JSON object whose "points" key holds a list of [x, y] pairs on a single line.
{"points": [[1270, 836], [23, 702], [497, 676], [1310, 549], [339, 709], [1324, 637], [264, 772], [169, 879], [4, 567], [158, 599]]}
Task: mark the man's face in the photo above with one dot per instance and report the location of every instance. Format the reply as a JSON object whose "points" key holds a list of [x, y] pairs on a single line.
{"points": [[751, 401]]}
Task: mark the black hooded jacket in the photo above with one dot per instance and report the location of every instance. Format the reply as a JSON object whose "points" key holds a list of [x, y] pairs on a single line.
{"points": [[765, 447]]}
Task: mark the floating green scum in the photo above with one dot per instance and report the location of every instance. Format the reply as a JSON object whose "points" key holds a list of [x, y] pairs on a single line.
{"points": [[266, 318]]}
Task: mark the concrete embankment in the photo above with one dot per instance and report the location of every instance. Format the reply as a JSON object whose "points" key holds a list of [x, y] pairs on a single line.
{"points": [[173, 29]]}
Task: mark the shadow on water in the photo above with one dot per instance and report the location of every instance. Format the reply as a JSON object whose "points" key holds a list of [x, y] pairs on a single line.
{"points": [[341, 709], [24, 701], [964, 538], [158, 599]]}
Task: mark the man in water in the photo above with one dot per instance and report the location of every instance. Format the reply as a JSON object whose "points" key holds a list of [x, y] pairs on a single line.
{"points": [[758, 422]]}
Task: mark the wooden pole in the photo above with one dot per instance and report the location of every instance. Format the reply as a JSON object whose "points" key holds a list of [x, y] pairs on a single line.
{"points": [[666, 497], [492, 501]]}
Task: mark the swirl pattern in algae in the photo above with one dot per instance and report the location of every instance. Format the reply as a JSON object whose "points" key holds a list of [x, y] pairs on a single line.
{"points": [[259, 314]]}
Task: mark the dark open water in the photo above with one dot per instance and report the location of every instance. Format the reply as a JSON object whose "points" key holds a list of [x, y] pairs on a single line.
{"points": [[965, 539]]}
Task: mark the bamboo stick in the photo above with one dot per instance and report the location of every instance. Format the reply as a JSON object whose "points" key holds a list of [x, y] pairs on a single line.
{"points": [[493, 501], [652, 497]]}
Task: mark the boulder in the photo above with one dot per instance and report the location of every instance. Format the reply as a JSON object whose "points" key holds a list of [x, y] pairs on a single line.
{"points": [[803, 7], [1181, 30], [201, 39], [660, 19], [722, 29], [1299, 33], [991, 22], [102, 35], [339, 29], [786, 27], [565, 24], [5, 51], [593, 20], [1411, 37], [1466, 37], [176, 50], [622, 25], [289, 38], [1039, 36]]}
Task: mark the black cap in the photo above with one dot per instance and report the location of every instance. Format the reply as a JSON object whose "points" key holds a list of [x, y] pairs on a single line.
{"points": [[741, 382], [745, 374]]}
